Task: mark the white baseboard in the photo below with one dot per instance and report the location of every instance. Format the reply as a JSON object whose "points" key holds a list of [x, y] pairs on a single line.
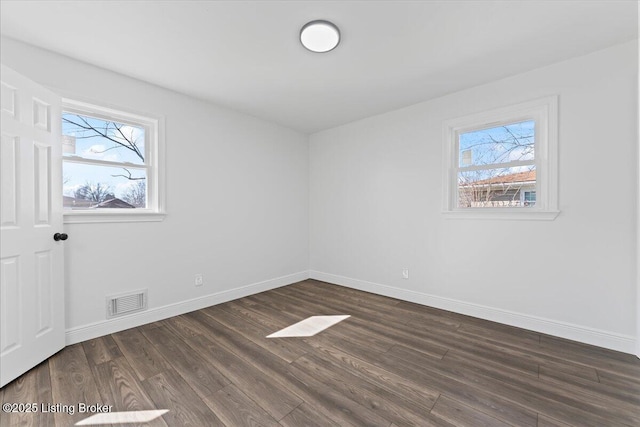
{"points": [[105, 327], [610, 340]]}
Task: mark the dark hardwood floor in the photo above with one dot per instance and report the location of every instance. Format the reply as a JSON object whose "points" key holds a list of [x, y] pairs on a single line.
{"points": [[392, 363]]}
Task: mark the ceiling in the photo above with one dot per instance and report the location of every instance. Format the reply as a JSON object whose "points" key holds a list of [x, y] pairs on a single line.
{"points": [[245, 55]]}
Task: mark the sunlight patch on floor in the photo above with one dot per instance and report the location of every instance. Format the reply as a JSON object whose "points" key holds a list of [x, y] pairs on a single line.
{"points": [[122, 417], [308, 327]]}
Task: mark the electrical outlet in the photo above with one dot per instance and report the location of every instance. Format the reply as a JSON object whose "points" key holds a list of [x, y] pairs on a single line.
{"points": [[405, 273], [199, 281]]}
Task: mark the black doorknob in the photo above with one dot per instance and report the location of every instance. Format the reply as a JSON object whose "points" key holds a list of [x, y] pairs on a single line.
{"points": [[60, 236]]}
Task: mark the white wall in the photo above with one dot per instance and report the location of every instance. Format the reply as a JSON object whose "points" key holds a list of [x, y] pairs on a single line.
{"points": [[237, 204], [375, 208]]}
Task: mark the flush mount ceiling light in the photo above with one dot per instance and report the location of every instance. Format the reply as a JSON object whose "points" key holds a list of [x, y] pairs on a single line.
{"points": [[319, 36]]}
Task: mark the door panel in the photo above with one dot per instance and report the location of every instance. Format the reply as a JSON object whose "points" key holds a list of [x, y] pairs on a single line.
{"points": [[10, 319], [8, 178], [42, 191], [43, 282], [31, 262]]}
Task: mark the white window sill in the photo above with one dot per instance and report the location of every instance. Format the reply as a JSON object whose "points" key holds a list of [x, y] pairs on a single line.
{"points": [[80, 217], [502, 214]]}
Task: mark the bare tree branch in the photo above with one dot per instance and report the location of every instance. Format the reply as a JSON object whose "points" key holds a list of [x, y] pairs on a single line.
{"points": [[129, 177], [104, 132]]}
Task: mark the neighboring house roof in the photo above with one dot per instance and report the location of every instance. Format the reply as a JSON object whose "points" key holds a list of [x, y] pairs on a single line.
{"points": [[519, 177], [114, 203], [72, 202]]}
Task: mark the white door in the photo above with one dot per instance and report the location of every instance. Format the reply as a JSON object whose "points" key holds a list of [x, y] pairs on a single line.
{"points": [[31, 262]]}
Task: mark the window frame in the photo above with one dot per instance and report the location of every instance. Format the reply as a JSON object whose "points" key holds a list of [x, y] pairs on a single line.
{"points": [[154, 164], [544, 112]]}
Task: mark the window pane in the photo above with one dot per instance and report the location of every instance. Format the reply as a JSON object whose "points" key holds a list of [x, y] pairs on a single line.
{"points": [[530, 196], [499, 144], [97, 187], [101, 139], [497, 188]]}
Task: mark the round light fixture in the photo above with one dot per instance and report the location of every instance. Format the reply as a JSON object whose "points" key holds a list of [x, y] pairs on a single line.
{"points": [[319, 36]]}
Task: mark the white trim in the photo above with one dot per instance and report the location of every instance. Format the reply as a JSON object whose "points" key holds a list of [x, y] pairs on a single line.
{"points": [[606, 339], [524, 213], [105, 327], [545, 113], [504, 165], [112, 215]]}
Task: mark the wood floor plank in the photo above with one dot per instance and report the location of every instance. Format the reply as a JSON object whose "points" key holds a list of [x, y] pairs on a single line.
{"points": [[203, 377], [411, 312], [462, 390], [72, 383], [540, 394], [169, 390], [420, 394], [289, 316], [331, 402], [255, 333], [33, 387], [526, 339], [365, 297], [525, 392], [564, 345], [305, 415], [150, 325], [358, 337], [235, 408], [402, 352], [419, 310], [182, 327], [488, 365], [242, 308], [599, 358], [461, 415], [434, 421], [623, 383], [275, 400], [140, 353], [387, 405], [423, 342], [119, 387], [544, 421], [616, 396], [327, 304], [570, 369], [101, 349]]}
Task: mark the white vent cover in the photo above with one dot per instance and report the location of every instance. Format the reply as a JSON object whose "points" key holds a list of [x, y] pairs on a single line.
{"points": [[121, 304]]}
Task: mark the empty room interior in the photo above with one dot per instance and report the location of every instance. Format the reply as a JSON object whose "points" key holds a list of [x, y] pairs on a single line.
{"points": [[320, 213]]}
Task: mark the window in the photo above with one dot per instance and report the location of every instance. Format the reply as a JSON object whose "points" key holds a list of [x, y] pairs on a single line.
{"points": [[503, 163], [528, 198], [110, 165]]}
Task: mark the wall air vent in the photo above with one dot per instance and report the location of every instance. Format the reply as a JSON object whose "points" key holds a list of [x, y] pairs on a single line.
{"points": [[121, 304]]}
